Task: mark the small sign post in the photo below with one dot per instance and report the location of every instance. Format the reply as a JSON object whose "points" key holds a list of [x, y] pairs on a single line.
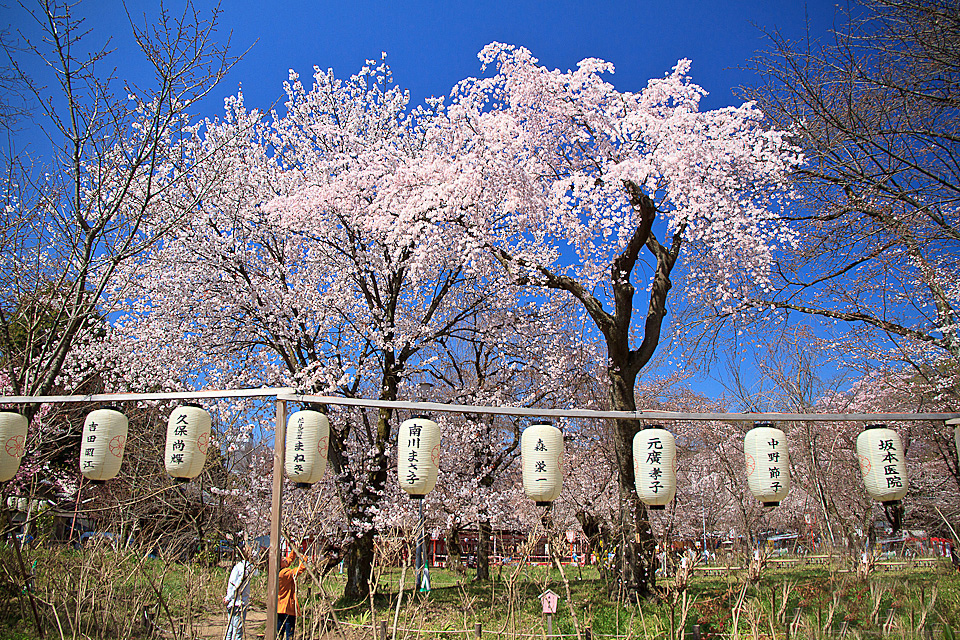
{"points": [[549, 601]]}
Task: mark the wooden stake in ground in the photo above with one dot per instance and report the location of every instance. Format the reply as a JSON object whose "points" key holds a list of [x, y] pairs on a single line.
{"points": [[273, 562]]}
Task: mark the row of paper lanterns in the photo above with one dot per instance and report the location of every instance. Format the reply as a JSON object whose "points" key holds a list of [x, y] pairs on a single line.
{"points": [[767, 460], [766, 455], [104, 438]]}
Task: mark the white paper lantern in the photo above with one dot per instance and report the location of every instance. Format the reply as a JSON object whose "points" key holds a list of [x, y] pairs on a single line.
{"points": [[101, 446], [418, 456], [308, 440], [13, 437], [12, 503], [541, 447], [655, 466], [767, 459], [188, 439], [23, 504], [882, 464]]}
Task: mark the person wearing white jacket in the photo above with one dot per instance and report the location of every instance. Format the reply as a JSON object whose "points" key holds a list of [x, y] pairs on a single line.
{"points": [[238, 595]]}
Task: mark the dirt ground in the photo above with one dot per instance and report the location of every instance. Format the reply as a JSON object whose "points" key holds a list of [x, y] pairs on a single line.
{"points": [[215, 627]]}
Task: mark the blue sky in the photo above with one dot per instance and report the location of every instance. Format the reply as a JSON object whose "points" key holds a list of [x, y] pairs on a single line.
{"points": [[432, 44]]}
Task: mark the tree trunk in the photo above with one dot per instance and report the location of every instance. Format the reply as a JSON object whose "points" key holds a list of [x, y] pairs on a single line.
{"points": [[483, 548], [636, 559], [358, 564], [454, 552], [598, 537]]}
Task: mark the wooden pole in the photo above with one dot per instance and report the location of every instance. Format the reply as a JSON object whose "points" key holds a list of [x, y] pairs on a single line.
{"points": [[273, 562]]}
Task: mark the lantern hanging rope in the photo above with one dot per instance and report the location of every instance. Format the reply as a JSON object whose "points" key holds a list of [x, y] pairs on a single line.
{"points": [[290, 394], [640, 414]]}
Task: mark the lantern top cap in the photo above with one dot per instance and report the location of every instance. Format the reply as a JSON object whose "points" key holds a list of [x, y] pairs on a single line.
{"points": [[109, 407], [652, 426], [538, 422], [420, 416], [194, 405], [763, 424], [876, 426]]}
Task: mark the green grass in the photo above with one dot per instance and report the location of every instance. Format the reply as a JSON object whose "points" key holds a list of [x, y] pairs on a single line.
{"points": [[114, 587], [824, 596]]}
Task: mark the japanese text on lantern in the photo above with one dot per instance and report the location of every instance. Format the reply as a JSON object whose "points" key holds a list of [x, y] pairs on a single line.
{"points": [[541, 465], [890, 472], [299, 457], [178, 446], [91, 439], [413, 441], [774, 456], [655, 457]]}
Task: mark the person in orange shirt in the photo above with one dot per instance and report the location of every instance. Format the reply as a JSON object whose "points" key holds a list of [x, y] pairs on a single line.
{"points": [[287, 607]]}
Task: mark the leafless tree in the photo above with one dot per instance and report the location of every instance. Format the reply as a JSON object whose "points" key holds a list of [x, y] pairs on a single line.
{"points": [[876, 112], [113, 185]]}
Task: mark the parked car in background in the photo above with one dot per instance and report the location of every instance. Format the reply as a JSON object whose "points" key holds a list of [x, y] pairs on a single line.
{"points": [[90, 538]]}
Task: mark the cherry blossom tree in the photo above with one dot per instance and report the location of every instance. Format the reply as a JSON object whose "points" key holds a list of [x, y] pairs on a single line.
{"points": [[528, 356], [352, 237], [569, 184], [310, 267]]}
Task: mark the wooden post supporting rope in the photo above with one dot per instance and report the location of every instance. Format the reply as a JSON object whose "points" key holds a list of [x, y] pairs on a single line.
{"points": [[273, 563]]}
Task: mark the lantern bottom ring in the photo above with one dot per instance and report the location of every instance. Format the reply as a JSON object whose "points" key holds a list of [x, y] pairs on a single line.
{"points": [[543, 503], [96, 482], [417, 496], [302, 485], [656, 507], [890, 503], [771, 504], [180, 480]]}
